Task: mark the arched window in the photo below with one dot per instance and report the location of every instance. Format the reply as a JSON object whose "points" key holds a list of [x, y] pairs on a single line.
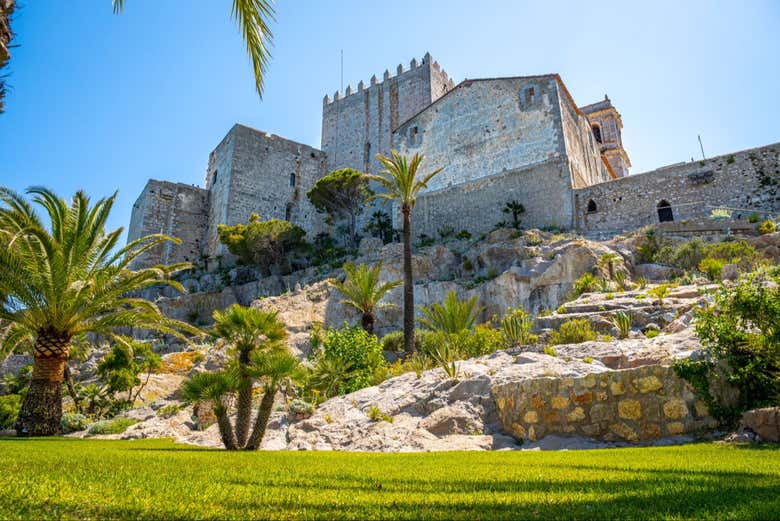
{"points": [[592, 208], [665, 213], [530, 96], [292, 179], [597, 133]]}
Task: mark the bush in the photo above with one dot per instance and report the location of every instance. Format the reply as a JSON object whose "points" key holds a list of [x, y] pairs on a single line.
{"points": [[740, 333], [767, 227], [464, 235], [754, 218], [652, 333], [550, 351], [301, 408], [168, 411], [686, 255], [265, 244], [516, 328], [73, 422], [349, 359], [712, 268], [573, 332], [393, 341], [622, 321], [9, 410], [115, 426], [464, 344], [376, 414], [452, 315]]}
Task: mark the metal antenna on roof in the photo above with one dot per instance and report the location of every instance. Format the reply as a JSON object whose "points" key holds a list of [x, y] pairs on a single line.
{"points": [[702, 147]]}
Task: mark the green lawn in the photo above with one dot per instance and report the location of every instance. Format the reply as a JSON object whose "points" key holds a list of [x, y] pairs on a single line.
{"points": [[155, 479]]}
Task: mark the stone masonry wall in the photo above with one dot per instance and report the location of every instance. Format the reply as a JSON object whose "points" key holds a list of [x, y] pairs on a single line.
{"points": [[544, 189], [263, 174], [173, 209], [634, 405], [587, 166], [745, 181], [358, 125]]}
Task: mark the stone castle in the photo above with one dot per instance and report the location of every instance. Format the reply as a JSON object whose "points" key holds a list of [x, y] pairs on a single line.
{"points": [[500, 139]]}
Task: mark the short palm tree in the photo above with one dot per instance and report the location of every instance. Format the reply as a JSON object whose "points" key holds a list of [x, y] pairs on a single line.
{"points": [[401, 183], [253, 18], [216, 388], [452, 315], [516, 209], [65, 278], [248, 330], [362, 291], [608, 261]]}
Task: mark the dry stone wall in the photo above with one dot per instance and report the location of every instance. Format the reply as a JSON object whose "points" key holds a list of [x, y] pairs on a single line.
{"points": [[635, 405], [746, 181]]}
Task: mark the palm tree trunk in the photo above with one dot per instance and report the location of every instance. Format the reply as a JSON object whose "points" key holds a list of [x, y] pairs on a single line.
{"points": [[41, 410], [408, 282], [225, 429], [243, 414], [367, 323], [263, 415]]}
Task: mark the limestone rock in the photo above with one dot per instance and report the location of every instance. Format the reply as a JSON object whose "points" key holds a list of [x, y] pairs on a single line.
{"points": [[764, 422]]}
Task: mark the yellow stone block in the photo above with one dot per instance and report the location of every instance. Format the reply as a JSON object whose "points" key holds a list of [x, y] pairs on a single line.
{"points": [[578, 414], [624, 431], [531, 417], [675, 409], [629, 409], [675, 428], [648, 384], [518, 430], [560, 402], [617, 388]]}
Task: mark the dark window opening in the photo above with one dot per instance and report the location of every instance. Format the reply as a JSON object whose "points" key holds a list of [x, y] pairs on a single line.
{"points": [[665, 213], [288, 212], [597, 133], [292, 179], [414, 133], [530, 95], [592, 208]]}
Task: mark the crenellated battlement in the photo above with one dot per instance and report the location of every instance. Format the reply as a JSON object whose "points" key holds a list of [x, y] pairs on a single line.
{"points": [[399, 71]]}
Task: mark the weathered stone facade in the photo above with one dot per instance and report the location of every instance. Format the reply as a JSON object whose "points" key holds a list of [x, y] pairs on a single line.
{"points": [[744, 182], [518, 139], [642, 404]]}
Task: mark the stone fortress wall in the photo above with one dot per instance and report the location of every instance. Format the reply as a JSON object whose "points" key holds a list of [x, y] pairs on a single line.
{"points": [[745, 182], [499, 139]]}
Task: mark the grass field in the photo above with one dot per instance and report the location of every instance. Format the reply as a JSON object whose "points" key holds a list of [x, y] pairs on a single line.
{"points": [[155, 479]]}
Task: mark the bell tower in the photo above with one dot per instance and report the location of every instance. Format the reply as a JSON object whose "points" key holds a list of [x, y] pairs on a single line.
{"points": [[606, 124]]}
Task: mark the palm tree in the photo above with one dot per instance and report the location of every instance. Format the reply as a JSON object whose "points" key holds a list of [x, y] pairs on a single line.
{"points": [[452, 315], [248, 330], [273, 368], [253, 17], [607, 261], [216, 388], [361, 291], [61, 280], [400, 180], [516, 209]]}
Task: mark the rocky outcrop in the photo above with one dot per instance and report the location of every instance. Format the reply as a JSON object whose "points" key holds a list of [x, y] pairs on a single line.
{"points": [[763, 422]]}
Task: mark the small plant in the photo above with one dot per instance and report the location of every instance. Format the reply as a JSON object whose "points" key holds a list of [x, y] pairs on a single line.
{"points": [[376, 414], [550, 351], [621, 280], [606, 338], [328, 418], [168, 411], [561, 309], [588, 360], [452, 315], [585, 284], [425, 240], [115, 426], [659, 292], [730, 159], [573, 331], [533, 238], [446, 232], [444, 356], [464, 235], [301, 408], [467, 264], [712, 268], [515, 209], [641, 282], [516, 328], [544, 313], [609, 296], [608, 262], [622, 322], [753, 218], [652, 333], [73, 422], [767, 227]]}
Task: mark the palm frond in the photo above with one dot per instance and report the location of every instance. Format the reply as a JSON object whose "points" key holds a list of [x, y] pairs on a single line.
{"points": [[253, 17]]}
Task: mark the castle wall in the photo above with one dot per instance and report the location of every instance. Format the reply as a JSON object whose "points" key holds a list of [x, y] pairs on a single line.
{"points": [[173, 209], [359, 125], [585, 161], [544, 189], [258, 169], [745, 181]]}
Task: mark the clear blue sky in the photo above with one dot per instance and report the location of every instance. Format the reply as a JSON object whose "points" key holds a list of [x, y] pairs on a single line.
{"points": [[104, 102]]}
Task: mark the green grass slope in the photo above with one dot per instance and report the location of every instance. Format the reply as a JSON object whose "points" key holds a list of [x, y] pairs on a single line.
{"points": [[155, 479]]}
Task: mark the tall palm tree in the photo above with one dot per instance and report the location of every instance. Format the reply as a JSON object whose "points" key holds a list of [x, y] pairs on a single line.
{"points": [[253, 18], [248, 330], [362, 291], [401, 182], [61, 280]]}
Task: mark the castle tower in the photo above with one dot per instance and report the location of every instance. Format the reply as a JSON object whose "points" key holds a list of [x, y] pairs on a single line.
{"points": [[606, 124], [359, 124]]}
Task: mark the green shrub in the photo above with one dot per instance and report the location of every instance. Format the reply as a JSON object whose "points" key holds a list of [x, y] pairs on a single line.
{"points": [[464, 235], [376, 414], [740, 333], [73, 422], [467, 264], [588, 360], [301, 408], [641, 282], [115, 426], [652, 333], [516, 328], [465, 344], [452, 315], [168, 411], [754, 218], [649, 247], [9, 410], [659, 292], [767, 227], [561, 309], [585, 284], [393, 341], [425, 240], [573, 331], [348, 359], [550, 351], [622, 321], [712, 267], [265, 244], [686, 255]]}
